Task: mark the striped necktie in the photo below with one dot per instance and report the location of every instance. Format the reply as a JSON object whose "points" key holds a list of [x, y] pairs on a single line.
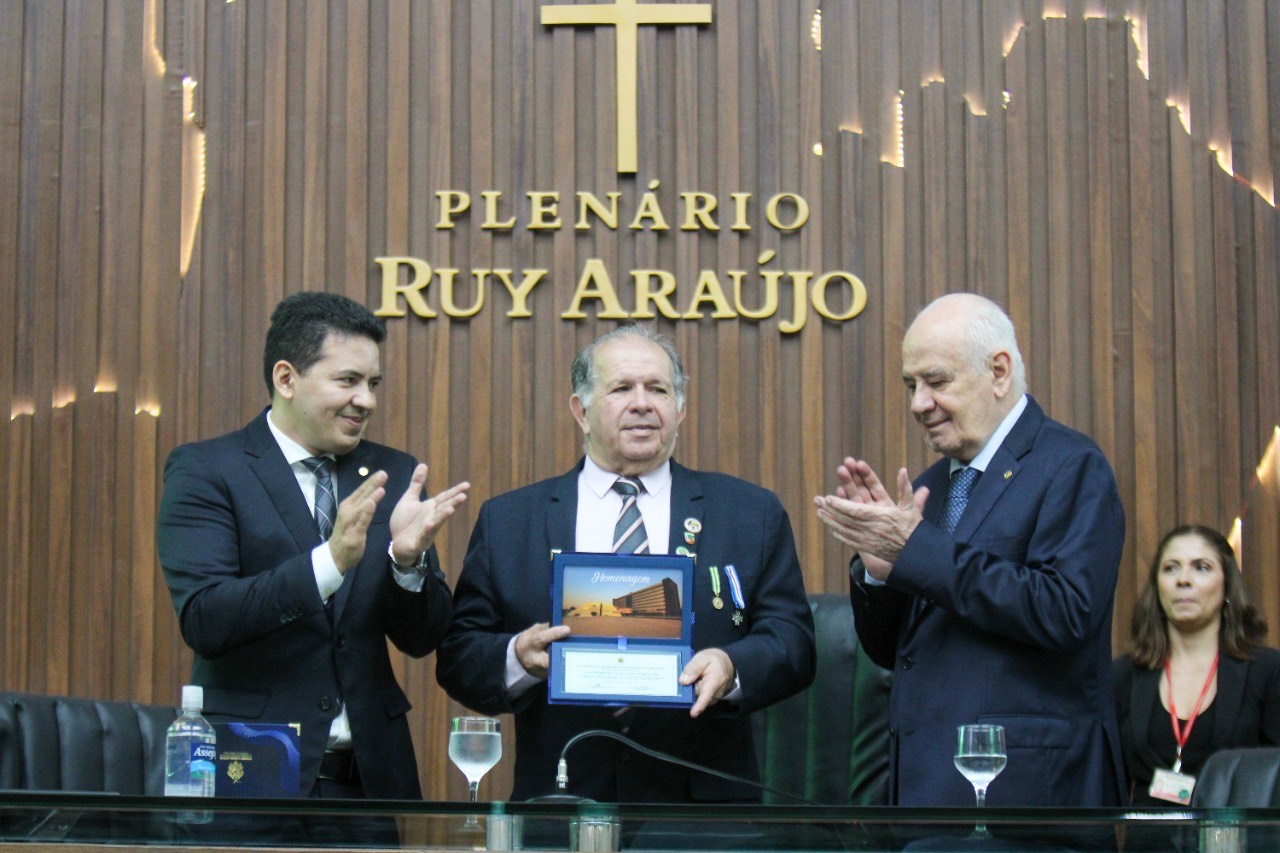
{"points": [[326, 503], [629, 536]]}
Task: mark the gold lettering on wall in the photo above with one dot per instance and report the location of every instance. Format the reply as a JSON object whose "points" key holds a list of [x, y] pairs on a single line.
{"points": [[770, 291]]}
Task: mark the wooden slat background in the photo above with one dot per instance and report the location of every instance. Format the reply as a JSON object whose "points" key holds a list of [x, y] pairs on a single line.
{"points": [[1105, 169]]}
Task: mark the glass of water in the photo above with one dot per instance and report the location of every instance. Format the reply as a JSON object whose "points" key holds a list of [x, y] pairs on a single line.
{"points": [[980, 756], [475, 745]]}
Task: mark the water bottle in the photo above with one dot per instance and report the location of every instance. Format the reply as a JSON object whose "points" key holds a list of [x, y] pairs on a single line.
{"points": [[190, 754]]}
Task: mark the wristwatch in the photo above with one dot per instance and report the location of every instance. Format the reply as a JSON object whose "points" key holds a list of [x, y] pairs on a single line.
{"points": [[419, 566]]}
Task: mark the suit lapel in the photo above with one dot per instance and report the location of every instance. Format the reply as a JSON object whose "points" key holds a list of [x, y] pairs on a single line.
{"points": [[1232, 674], [281, 484], [686, 503], [1001, 471], [562, 512], [1144, 701], [349, 478], [937, 477]]}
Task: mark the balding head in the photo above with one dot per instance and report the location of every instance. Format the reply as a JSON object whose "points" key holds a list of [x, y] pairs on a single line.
{"points": [[962, 366]]}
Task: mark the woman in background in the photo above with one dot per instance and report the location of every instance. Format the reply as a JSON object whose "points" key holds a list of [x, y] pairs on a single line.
{"points": [[1197, 678]]}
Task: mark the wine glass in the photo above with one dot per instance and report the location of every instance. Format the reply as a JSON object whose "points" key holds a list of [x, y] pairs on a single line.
{"points": [[475, 745], [980, 756]]}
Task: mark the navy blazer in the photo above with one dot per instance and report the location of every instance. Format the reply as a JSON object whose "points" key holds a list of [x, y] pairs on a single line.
{"points": [[1006, 621], [235, 539], [505, 587], [1246, 712]]}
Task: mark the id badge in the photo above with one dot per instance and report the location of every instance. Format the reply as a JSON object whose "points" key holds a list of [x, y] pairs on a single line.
{"points": [[1174, 787]]}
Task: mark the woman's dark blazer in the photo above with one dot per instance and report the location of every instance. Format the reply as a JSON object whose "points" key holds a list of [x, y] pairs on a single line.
{"points": [[1246, 709]]}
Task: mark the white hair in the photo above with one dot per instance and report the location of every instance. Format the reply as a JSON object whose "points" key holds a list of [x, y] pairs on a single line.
{"points": [[989, 331]]}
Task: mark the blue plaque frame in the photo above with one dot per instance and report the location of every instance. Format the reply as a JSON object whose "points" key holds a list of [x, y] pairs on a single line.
{"points": [[642, 621]]}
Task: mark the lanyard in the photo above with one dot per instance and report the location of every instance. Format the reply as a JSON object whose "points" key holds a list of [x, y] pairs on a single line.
{"points": [[1182, 735]]}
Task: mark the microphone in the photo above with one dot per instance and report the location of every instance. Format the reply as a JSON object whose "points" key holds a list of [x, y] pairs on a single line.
{"points": [[562, 767]]}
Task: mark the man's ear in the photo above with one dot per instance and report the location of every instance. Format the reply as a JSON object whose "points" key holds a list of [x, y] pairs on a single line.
{"points": [[1001, 373], [285, 379], [579, 413]]}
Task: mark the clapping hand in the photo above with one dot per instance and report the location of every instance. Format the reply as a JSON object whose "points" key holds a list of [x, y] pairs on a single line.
{"points": [[415, 522], [864, 515]]}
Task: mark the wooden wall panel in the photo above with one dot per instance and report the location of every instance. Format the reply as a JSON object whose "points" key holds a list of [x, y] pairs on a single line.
{"points": [[1104, 169]]}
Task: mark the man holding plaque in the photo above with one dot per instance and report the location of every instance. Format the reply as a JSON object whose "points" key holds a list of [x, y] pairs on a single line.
{"points": [[752, 631], [987, 584]]}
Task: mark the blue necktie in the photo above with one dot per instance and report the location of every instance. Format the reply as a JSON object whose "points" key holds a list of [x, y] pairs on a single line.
{"points": [[629, 535], [962, 482], [326, 503]]}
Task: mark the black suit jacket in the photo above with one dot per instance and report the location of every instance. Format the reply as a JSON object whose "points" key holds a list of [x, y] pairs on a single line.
{"points": [[505, 587], [1008, 621], [235, 539], [1246, 711]]}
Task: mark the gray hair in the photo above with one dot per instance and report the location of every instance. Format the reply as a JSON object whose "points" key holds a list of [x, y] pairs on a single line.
{"points": [[585, 376], [989, 331]]}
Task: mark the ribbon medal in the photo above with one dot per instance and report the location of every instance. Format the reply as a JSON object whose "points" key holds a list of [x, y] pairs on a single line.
{"points": [[716, 601], [735, 589]]}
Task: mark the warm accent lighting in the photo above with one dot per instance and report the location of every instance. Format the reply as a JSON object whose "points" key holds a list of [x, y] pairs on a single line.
{"points": [[1011, 37], [1268, 461], [1183, 114], [152, 409], [20, 408], [895, 156], [817, 148], [193, 174], [1138, 32], [154, 58], [815, 28], [66, 398], [105, 386], [1266, 476]]}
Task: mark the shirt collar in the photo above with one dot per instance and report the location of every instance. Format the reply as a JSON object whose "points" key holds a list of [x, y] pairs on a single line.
{"points": [[601, 481], [983, 459], [293, 452]]}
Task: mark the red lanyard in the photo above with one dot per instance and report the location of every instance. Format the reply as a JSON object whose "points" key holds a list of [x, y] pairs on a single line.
{"points": [[1181, 735]]}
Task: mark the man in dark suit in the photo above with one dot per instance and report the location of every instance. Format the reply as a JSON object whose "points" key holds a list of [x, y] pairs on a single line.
{"points": [[289, 571], [995, 607], [753, 643]]}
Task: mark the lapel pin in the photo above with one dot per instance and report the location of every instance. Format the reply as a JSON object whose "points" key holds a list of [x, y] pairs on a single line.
{"points": [[1008, 474], [693, 525], [364, 472]]}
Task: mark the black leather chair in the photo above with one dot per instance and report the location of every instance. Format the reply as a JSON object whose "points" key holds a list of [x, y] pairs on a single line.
{"points": [[830, 744], [61, 743], [1239, 778]]}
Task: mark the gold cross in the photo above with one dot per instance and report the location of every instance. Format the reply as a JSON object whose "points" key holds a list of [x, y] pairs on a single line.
{"points": [[626, 16]]}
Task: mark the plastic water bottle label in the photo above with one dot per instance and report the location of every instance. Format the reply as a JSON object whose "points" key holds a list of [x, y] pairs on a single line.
{"points": [[203, 756]]}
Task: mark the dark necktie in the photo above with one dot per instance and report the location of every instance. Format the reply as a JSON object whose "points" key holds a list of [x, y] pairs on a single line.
{"points": [[629, 536], [326, 503], [958, 497]]}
